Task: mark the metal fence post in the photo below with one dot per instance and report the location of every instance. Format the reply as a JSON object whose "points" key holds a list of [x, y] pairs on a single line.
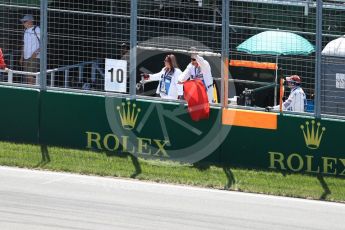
{"points": [[133, 48], [317, 99], [43, 72], [225, 52], [43, 44]]}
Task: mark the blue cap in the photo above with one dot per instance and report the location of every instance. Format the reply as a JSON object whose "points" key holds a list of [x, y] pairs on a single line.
{"points": [[27, 17]]}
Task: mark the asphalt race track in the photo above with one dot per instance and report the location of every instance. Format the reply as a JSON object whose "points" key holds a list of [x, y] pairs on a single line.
{"points": [[33, 200]]}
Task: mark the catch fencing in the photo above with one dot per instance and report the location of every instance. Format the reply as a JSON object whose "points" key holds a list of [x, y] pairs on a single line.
{"points": [[83, 37]]}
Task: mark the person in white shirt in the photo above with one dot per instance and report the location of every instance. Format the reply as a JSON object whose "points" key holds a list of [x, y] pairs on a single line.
{"points": [[168, 79], [199, 68], [297, 99], [31, 47]]}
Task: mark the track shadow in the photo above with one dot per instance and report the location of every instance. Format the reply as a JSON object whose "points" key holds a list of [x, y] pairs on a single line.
{"points": [[202, 166], [45, 156], [135, 161], [326, 190], [136, 165], [230, 177]]}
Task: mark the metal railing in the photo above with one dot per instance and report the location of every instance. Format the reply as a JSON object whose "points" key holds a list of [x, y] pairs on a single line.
{"points": [[80, 69], [94, 66], [11, 73]]}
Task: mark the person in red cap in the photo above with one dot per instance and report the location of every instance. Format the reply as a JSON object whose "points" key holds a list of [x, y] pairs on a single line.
{"points": [[297, 99]]}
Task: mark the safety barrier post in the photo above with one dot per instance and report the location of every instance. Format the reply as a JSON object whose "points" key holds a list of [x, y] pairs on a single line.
{"points": [[225, 52], [133, 48], [317, 99], [43, 44], [281, 95]]}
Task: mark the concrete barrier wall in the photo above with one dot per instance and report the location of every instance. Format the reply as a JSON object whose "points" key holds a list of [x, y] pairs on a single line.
{"points": [[165, 131], [19, 114]]}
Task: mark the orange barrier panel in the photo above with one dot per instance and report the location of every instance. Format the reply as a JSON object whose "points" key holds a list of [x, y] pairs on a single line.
{"points": [[252, 119], [281, 95], [254, 64]]}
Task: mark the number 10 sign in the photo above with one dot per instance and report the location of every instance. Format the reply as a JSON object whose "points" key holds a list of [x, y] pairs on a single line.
{"points": [[115, 75]]}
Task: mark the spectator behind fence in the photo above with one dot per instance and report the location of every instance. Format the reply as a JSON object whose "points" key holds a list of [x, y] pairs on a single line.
{"points": [[2, 65], [2, 61], [168, 78], [124, 51], [200, 69], [297, 100], [31, 47]]}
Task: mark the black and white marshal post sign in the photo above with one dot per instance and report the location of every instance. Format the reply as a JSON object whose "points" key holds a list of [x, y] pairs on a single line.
{"points": [[115, 75]]}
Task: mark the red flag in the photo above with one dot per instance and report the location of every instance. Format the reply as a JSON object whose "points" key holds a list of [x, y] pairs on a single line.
{"points": [[196, 97]]}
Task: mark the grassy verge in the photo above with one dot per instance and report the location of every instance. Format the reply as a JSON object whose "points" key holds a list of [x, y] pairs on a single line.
{"points": [[87, 162]]}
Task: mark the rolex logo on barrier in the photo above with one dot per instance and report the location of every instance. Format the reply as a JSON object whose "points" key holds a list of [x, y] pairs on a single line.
{"points": [[312, 134], [128, 115]]}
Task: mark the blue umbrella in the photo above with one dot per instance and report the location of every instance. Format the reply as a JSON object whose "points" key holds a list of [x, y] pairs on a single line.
{"points": [[276, 43]]}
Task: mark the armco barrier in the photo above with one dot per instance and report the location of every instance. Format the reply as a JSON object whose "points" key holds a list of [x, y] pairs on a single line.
{"points": [[300, 144], [165, 130], [149, 129], [19, 114]]}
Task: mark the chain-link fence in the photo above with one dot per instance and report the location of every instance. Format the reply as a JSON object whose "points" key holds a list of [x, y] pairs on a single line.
{"points": [[285, 23], [12, 34], [86, 39], [81, 35], [333, 60], [177, 27]]}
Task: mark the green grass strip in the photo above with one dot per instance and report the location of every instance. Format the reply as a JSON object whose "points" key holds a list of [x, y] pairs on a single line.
{"points": [[103, 164]]}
